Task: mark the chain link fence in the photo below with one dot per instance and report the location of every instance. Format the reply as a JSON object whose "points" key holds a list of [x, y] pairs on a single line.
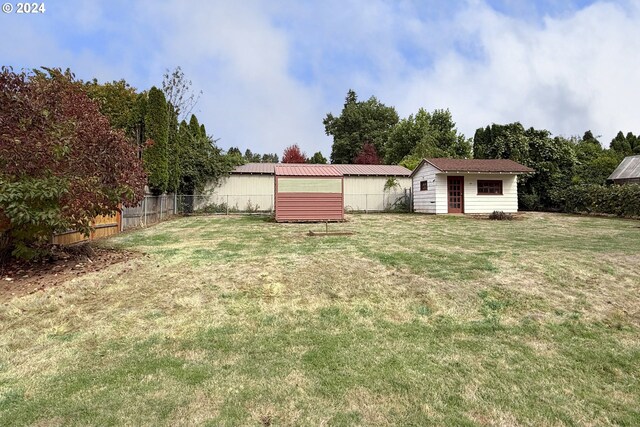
{"points": [[225, 204], [150, 210]]}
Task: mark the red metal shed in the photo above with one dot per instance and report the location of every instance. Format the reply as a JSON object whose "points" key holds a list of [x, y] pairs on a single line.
{"points": [[308, 193]]}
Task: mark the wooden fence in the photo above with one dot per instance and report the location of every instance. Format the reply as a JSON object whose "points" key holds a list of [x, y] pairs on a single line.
{"points": [[101, 226]]}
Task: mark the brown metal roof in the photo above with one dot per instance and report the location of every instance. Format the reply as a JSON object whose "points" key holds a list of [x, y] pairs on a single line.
{"points": [[476, 165], [294, 169], [627, 169], [347, 170], [373, 170], [255, 168]]}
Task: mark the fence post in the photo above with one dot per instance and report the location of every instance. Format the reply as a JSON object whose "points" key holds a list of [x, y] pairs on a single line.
{"points": [[366, 203], [175, 203], [227, 204], [144, 210], [161, 199]]}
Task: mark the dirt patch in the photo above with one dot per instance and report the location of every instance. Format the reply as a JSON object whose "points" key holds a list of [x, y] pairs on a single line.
{"points": [[18, 278]]}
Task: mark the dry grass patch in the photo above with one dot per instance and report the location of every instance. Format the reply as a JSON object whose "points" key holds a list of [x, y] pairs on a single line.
{"points": [[412, 320]]}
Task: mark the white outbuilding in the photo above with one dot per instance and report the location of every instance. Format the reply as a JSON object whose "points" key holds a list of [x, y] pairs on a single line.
{"points": [[472, 186], [367, 188]]}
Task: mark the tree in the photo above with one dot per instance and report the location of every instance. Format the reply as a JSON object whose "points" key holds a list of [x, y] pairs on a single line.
{"points": [[318, 158], [116, 100], [251, 157], [625, 145], [293, 154], [406, 135], [367, 155], [173, 148], [553, 159], [69, 165], [178, 92], [427, 135], [594, 164], [270, 158], [359, 122], [201, 161], [155, 153]]}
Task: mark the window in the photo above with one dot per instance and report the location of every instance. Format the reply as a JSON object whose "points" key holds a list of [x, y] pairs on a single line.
{"points": [[486, 187], [424, 185]]}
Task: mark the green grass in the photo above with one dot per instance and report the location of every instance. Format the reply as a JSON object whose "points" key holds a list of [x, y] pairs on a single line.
{"points": [[413, 320]]}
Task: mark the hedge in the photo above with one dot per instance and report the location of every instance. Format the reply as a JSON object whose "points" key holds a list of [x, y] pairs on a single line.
{"points": [[620, 200]]}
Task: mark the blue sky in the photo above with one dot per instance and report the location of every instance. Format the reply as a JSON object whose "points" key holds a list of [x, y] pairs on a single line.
{"points": [[270, 71]]}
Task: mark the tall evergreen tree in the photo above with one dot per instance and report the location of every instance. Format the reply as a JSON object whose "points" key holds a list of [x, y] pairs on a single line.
{"points": [[155, 153], [174, 151]]}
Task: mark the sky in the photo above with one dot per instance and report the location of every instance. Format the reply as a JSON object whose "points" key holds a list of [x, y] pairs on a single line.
{"points": [[270, 71]]}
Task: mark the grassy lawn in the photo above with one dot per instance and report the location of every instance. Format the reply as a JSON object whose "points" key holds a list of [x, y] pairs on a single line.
{"points": [[414, 320]]}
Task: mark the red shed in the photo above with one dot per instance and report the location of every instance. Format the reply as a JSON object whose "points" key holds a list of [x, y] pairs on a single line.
{"points": [[308, 193]]}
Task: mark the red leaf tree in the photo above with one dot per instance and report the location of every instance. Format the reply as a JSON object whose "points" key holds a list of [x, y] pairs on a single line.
{"points": [[293, 154], [368, 155], [61, 163]]}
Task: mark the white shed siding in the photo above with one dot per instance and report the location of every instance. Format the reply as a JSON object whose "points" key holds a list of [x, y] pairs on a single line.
{"points": [[434, 200], [442, 198], [475, 203], [240, 190], [360, 192], [366, 193], [425, 201]]}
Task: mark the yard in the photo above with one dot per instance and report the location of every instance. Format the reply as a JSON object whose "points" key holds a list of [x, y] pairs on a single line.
{"points": [[413, 320]]}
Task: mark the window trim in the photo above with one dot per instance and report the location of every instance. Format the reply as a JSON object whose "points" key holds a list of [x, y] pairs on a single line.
{"points": [[426, 185], [489, 183]]}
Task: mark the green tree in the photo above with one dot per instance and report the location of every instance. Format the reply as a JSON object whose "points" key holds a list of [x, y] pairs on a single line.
{"points": [[406, 135], [317, 158], [116, 100], [173, 147], [155, 153], [251, 157], [594, 164], [426, 135], [271, 158], [201, 161], [359, 122], [628, 145], [553, 159]]}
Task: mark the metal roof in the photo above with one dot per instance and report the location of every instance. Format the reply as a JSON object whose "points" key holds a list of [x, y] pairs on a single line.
{"points": [[348, 170], [373, 170], [294, 169], [628, 168], [257, 168], [476, 165]]}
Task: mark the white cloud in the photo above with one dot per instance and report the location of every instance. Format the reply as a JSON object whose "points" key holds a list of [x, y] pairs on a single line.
{"points": [[570, 74], [271, 71]]}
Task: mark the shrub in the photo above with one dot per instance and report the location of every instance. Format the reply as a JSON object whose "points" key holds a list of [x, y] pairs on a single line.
{"points": [[500, 216], [61, 164], [620, 200]]}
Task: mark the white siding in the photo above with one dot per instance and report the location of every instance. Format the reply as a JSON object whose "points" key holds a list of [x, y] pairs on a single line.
{"points": [[434, 200], [240, 190], [475, 203], [425, 201], [366, 193], [361, 193]]}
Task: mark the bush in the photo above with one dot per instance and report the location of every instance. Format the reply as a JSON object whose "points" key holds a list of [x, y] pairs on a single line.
{"points": [[620, 200], [61, 164], [500, 216]]}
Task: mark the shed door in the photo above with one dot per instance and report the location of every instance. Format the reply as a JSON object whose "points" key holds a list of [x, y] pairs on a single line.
{"points": [[455, 189]]}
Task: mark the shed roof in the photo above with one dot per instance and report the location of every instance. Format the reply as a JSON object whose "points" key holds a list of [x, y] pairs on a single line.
{"points": [[293, 169], [347, 170], [475, 165], [628, 168]]}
